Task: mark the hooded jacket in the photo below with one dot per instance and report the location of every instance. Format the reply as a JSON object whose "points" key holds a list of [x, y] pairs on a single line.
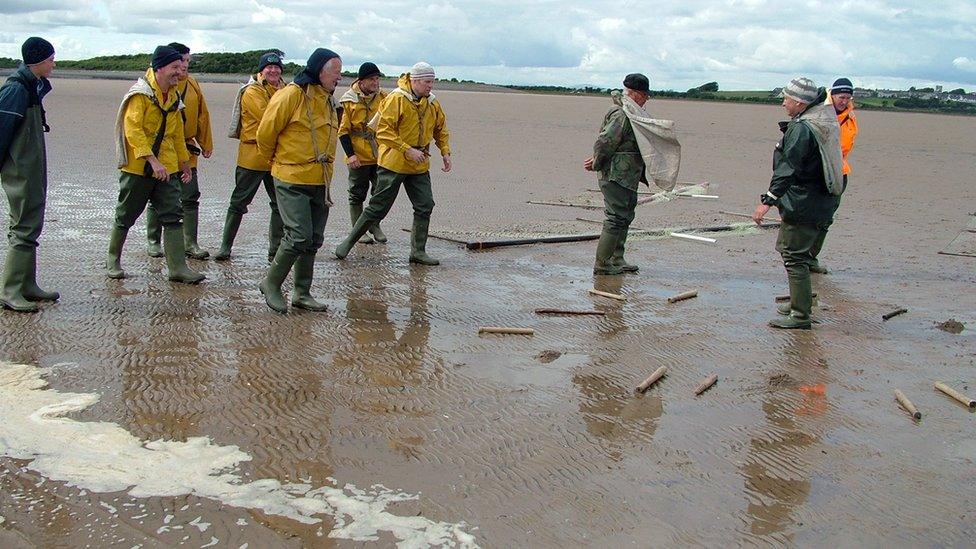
{"points": [[357, 110], [138, 121], [254, 98], [406, 121], [298, 134], [196, 116], [22, 149]]}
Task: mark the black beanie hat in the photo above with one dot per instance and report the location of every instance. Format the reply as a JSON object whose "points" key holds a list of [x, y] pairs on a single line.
{"points": [[367, 70], [270, 58], [35, 50], [179, 47], [842, 85], [164, 55], [318, 59]]}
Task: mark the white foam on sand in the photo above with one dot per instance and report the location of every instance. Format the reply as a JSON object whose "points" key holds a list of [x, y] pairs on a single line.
{"points": [[104, 457]]}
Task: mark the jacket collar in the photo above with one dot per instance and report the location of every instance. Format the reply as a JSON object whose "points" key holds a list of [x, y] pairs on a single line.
{"points": [[45, 84]]}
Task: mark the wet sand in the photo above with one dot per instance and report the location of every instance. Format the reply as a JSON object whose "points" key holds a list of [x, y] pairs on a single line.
{"points": [[514, 440]]}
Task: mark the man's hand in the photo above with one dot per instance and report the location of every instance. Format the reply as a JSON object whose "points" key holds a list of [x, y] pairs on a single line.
{"points": [[415, 155], [159, 171], [588, 164], [187, 173], [447, 164], [206, 154], [757, 215], [353, 162]]}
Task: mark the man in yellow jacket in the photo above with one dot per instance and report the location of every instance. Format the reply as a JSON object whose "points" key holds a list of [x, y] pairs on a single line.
{"points": [[360, 104], [298, 134], [842, 98], [253, 170], [199, 141], [153, 160], [410, 118]]}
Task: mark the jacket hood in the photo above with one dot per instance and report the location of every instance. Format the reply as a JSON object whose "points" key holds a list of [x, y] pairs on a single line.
{"points": [[318, 59], [25, 72], [821, 98]]}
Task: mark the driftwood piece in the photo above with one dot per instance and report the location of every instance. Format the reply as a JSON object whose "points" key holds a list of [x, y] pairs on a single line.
{"points": [[683, 296], [569, 312], [956, 394], [618, 297], [706, 384], [646, 384], [894, 313], [907, 405], [505, 330], [782, 298]]}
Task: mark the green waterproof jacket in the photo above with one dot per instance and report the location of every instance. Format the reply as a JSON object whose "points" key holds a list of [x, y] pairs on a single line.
{"points": [[798, 177], [616, 154], [22, 125]]}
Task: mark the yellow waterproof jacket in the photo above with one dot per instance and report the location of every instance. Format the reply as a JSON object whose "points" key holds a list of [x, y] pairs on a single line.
{"points": [[142, 120], [848, 133], [406, 122], [254, 101], [357, 111], [298, 154], [196, 117]]}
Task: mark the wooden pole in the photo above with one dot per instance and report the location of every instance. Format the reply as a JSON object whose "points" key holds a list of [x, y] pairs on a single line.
{"points": [[618, 297], [683, 296], [658, 374], [894, 313], [956, 394], [747, 216], [706, 384], [565, 204], [693, 237], [782, 298], [505, 330], [567, 312], [907, 404]]}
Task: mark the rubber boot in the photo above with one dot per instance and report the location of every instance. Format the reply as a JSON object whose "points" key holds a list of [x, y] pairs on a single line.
{"points": [[14, 275], [604, 254], [175, 259], [271, 283], [231, 225], [114, 262], [191, 220], [153, 233], [301, 296], [801, 302], [618, 257], [32, 291], [378, 234], [276, 230], [418, 242], [358, 230], [356, 210], [818, 268]]}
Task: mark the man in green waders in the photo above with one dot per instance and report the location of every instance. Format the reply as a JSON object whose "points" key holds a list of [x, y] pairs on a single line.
{"points": [[24, 172], [154, 161]]}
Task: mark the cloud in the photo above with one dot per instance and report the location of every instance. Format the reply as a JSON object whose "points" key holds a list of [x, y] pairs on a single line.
{"points": [[964, 64]]}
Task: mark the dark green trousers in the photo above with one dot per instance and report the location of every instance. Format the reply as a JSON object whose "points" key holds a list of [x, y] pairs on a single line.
{"points": [[136, 191], [388, 186], [26, 197], [619, 206], [246, 184], [189, 196], [796, 244], [360, 180], [304, 213]]}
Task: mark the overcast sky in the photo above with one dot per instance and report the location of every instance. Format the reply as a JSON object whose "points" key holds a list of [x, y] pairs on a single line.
{"points": [[741, 44]]}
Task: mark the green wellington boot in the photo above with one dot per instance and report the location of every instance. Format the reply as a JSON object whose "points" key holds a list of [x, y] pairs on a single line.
{"points": [[301, 296], [604, 254], [271, 283], [276, 230], [14, 276], [153, 233], [418, 243], [358, 230], [114, 262], [801, 303], [191, 220], [356, 210], [32, 291], [818, 268], [176, 260], [231, 225], [378, 234], [618, 257]]}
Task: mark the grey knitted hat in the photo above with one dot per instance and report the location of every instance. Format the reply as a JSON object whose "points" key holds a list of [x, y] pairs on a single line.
{"points": [[802, 89]]}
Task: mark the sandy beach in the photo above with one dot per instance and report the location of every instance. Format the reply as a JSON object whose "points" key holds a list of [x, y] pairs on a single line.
{"points": [[196, 416]]}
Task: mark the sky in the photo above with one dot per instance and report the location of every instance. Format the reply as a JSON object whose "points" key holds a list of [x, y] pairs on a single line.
{"points": [[741, 44]]}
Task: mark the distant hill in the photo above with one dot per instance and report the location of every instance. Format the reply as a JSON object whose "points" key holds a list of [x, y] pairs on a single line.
{"points": [[216, 63]]}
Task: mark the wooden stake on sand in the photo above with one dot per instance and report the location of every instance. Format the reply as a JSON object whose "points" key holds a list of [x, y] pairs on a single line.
{"points": [[683, 296], [956, 394], [646, 384], [782, 298], [894, 313], [505, 330], [907, 405], [706, 384], [618, 297], [567, 312], [693, 237]]}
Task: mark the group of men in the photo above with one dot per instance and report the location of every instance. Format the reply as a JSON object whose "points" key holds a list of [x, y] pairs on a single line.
{"points": [[288, 137], [810, 172]]}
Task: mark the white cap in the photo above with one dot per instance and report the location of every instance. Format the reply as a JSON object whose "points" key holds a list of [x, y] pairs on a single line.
{"points": [[421, 71]]}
